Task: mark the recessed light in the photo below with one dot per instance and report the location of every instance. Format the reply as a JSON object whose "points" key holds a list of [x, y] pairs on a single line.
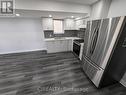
{"points": [[72, 16], [77, 18], [17, 14], [50, 15]]}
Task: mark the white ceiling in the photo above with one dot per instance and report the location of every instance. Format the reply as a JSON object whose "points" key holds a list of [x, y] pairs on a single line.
{"points": [[77, 1], [55, 15]]}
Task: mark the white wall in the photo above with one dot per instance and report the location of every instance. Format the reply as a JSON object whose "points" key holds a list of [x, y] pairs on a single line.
{"points": [[100, 9], [117, 8], [45, 5], [20, 35]]}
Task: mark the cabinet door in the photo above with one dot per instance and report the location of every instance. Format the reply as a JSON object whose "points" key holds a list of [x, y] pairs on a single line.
{"points": [[61, 45], [47, 23], [64, 45], [70, 45], [51, 47], [69, 24], [58, 45], [66, 25], [80, 24]]}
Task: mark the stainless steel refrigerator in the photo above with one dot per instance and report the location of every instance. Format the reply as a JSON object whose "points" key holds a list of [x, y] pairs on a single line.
{"points": [[104, 54]]}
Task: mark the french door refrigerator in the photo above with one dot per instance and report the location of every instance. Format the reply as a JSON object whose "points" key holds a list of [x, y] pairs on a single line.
{"points": [[104, 54]]}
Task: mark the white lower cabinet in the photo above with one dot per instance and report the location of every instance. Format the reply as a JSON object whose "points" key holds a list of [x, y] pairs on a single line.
{"points": [[50, 46], [59, 46], [70, 45]]}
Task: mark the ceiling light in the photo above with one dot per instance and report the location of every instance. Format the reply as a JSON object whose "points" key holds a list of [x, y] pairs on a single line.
{"points": [[77, 18], [50, 15], [72, 16], [17, 14]]}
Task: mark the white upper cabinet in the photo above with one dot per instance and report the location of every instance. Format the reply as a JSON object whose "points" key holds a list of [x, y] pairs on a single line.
{"points": [[80, 24], [72, 24], [69, 24], [47, 23]]}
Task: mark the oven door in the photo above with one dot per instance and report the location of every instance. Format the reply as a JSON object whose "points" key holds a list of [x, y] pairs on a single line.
{"points": [[76, 48]]}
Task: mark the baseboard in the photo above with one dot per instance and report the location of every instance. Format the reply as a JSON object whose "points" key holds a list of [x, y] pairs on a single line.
{"points": [[26, 52], [123, 82]]}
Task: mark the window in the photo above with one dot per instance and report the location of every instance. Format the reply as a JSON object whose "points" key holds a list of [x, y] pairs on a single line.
{"points": [[58, 27]]}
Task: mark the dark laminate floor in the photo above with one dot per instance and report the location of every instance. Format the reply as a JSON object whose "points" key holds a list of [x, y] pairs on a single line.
{"points": [[47, 74]]}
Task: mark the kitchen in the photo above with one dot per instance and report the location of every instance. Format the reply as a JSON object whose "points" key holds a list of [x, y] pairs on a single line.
{"points": [[63, 47]]}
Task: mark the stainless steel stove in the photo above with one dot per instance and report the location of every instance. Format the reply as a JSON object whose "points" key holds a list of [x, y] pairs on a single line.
{"points": [[78, 47]]}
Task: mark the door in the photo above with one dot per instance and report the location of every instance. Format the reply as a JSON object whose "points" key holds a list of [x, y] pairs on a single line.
{"points": [[93, 38], [99, 42]]}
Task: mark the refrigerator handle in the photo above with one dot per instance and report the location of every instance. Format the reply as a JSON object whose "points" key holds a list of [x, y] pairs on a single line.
{"points": [[94, 41]]}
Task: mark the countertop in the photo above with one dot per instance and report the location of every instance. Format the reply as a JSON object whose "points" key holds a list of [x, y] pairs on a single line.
{"points": [[62, 38]]}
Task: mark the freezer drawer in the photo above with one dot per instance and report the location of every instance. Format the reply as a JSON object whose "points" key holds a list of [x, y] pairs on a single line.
{"points": [[84, 64], [93, 72]]}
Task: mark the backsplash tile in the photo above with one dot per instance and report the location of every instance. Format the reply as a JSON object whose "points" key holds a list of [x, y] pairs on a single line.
{"points": [[67, 33], [48, 34], [70, 33]]}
